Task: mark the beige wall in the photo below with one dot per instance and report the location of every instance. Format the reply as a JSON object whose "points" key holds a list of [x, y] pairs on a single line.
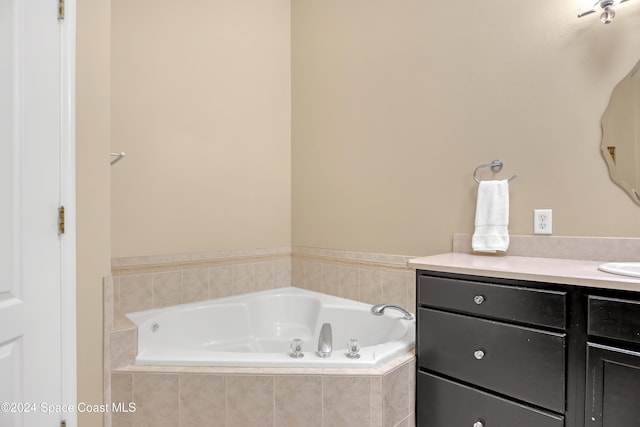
{"points": [[92, 195], [395, 103], [201, 105]]}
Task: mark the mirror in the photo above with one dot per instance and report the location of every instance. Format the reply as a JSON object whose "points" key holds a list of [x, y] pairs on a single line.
{"points": [[621, 134]]}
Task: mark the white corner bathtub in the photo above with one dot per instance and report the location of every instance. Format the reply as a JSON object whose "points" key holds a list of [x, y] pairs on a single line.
{"points": [[256, 329]]}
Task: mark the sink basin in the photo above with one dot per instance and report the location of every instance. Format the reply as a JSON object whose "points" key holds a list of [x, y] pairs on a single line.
{"points": [[623, 268]]}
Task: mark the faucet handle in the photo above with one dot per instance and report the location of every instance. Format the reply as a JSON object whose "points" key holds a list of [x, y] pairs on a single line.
{"points": [[296, 348], [353, 347]]}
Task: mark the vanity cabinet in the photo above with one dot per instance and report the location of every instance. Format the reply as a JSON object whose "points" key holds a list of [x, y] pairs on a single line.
{"points": [[613, 362], [490, 353], [495, 352]]}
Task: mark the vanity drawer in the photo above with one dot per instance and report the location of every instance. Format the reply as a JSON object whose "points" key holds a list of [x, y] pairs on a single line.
{"points": [[527, 305], [614, 318], [443, 403], [524, 363]]}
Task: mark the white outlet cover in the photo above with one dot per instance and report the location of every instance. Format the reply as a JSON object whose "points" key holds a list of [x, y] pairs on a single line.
{"points": [[542, 221]]}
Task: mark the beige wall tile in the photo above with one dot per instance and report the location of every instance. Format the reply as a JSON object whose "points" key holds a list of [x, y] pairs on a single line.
{"points": [[370, 286], [220, 281], [106, 362], [297, 273], [122, 392], [156, 398], [107, 418], [346, 401], [135, 293], [411, 292], [244, 279], [298, 401], [122, 387], [394, 288], [349, 283], [167, 289], [250, 401], [265, 276], [123, 347], [376, 402], [330, 279], [313, 276], [396, 400], [203, 400], [282, 273], [195, 285], [412, 385], [120, 321]]}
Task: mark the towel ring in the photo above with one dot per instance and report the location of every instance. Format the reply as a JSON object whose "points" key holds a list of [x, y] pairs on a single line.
{"points": [[495, 166]]}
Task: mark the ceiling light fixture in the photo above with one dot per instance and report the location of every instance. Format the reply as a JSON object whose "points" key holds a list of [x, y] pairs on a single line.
{"points": [[606, 6]]}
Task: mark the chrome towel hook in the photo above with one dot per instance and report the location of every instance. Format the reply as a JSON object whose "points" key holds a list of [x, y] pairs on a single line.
{"points": [[116, 157], [495, 166]]}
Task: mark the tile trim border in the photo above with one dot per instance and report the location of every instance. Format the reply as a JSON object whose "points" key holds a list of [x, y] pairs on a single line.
{"points": [[352, 258], [163, 263]]}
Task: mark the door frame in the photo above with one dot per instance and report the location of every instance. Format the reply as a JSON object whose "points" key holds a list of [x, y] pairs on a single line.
{"points": [[68, 331]]}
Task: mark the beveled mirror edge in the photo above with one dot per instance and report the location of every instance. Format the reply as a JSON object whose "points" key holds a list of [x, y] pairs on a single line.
{"points": [[631, 192], [611, 166]]}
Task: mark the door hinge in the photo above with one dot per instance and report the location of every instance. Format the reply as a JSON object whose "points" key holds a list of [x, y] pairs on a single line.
{"points": [[60, 10], [61, 220]]}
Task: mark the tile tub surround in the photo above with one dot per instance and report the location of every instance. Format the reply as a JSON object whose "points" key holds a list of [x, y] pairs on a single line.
{"points": [[141, 283], [234, 397], [366, 277]]}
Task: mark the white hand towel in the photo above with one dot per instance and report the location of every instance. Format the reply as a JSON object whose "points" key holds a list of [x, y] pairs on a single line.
{"points": [[492, 217]]}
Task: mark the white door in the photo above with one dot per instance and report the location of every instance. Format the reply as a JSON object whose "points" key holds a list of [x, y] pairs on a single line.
{"points": [[30, 192]]}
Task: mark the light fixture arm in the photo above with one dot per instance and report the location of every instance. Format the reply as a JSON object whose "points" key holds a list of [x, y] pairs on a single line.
{"points": [[606, 7]]}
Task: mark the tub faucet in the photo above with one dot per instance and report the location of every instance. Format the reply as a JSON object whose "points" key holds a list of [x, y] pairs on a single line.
{"points": [[378, 310], [325, 341]]}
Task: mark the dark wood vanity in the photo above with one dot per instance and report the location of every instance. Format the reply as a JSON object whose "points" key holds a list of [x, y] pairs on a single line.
{"points": [[498, 352]]}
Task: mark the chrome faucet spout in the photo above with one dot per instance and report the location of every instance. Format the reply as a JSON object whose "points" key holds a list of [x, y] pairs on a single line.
{"points": [[379, 309], [325, 341]]}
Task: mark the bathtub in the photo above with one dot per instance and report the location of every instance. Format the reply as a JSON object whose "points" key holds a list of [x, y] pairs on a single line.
{"points": [[256, 330]]}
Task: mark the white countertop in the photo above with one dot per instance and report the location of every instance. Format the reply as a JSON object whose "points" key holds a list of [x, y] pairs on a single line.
{"points": [[549, 270]]}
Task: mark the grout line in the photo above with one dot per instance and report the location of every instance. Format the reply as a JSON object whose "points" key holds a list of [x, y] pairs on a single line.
{"points": [[182, 286], [153, 280], [322, 401], [371, 418], [226, 400]]}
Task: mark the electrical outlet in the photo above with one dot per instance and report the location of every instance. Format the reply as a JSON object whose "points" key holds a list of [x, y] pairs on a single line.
{"points": [[542, 221]]}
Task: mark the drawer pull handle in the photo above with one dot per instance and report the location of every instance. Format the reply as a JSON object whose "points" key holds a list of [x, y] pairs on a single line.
{"points": [[478, 299], [478, 354], [478, 424]]}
